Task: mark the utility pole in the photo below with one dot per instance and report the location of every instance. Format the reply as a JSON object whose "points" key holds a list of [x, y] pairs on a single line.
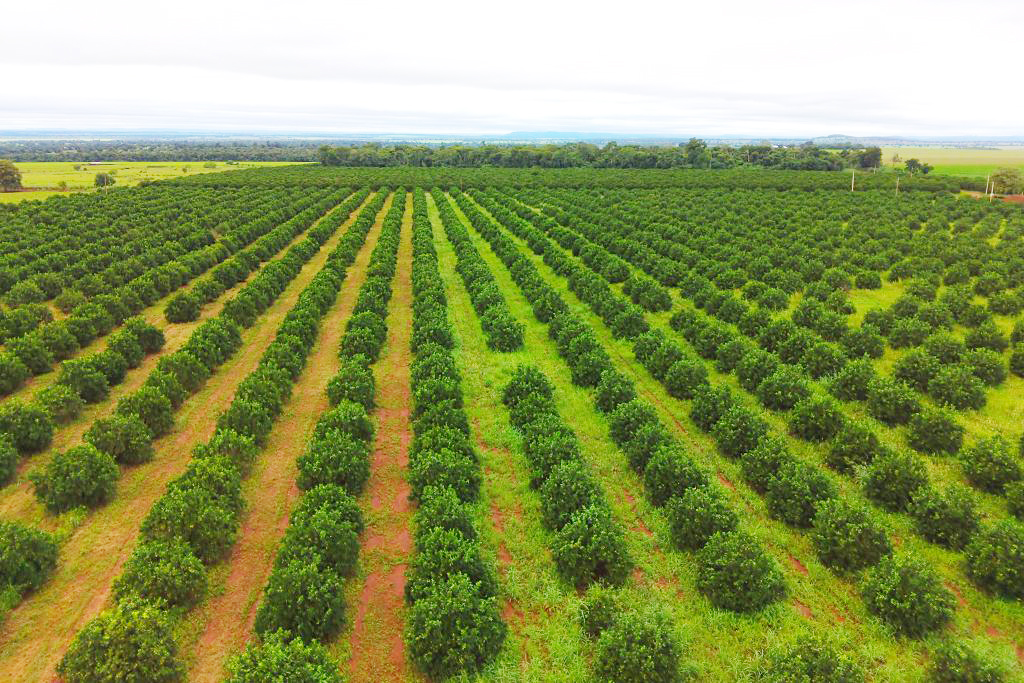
{"points": [[853, 179], [897, 186]]}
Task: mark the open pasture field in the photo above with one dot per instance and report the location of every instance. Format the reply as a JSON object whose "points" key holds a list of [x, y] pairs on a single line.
{"points": [[960, 161], [512, 426], [81, 175]]}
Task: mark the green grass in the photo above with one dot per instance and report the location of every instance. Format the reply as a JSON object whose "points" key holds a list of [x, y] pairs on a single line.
{"points": [[962, 161], [49, 178]]}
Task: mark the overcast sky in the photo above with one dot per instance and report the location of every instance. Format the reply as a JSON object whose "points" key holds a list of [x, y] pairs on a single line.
{"points": [[750, 67]]}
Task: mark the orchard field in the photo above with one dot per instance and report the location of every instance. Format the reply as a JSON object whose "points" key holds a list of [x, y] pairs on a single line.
{"points": [[321, 424]]}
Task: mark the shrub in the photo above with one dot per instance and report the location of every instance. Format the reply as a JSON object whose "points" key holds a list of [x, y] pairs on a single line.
{"points": [[893, 478], [957, 662], [760, 464], [855, 445], [131, 642], [599, 610], [685, 376], [956, 386], [851, 383], [455, 606], [709, 404], [354, 382], [239, 449], [823, 359], [591, 547], [526, 381], [337, 458], [986, 365], [735, 573], [569, 488], [150, 406], [1017, 360], [990, 466], [441, 508], [112, 364], [198, 517], [186, 368], [613, 390], [907, 594], [627, 420], [944, 347], [304, 598], [128, 347], [738, 431], [891, 401], [63, 404], [987, 336], [755, 367], [995, 558], [164, 571], [934, 431], [847, 537], [283, 657], [29, 424], [1015, 499], [247, 417], [444, 467], [27, 556], [795, 491], [346, 417], [637, 648], [546, 443], [696, 514], [949, 519], [183, 307], [730, 353], [816, 419], [327, 534], [445, 552], [908, 332], [812, 659], [917, 369], [81, 475], [84, 377], [31, 351], [783, 389], [670, 472], [124, 438]]}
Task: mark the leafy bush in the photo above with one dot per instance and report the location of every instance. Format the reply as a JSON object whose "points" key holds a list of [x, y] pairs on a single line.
{"points": [[891, 401], [164, 571], [957, 662], [811, 659], [855, 445], [346, 417], [851, 383], [183, 307], [27, 556], [892, 479], [196, 516], [282, 657], [823, 359], [337, 458], [327, 534], [685, 376], [917, 369], [738, 431], [1015, 499], [950, 518], [239, 449], [613, 390], [934, 431], [907, 593], [990, 466], [816, 419], [637, 648], [986, 365], [441, 508], [735, 573], [783, 389], [122, 643], [354, 382], [168, 385], [591, 547], [995, 558], [302, 597], [29, 424], [150, 406], [709, 404], [696, 514], [760, 464], [755, 367], [956, 385], [63, 404], [81, 475], [795, 491], [847, 537], [455, 606], [569, 488], [670, 472], [125, 438], [599, 610]]}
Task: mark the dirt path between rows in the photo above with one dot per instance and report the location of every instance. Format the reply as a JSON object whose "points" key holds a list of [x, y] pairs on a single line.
{"points": [[378, 613], [225, 622], [36, 634]]}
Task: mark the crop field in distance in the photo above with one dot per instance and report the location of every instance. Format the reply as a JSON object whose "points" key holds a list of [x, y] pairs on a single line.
{"points": [[423, 424], [960, 161], [46, 177]]}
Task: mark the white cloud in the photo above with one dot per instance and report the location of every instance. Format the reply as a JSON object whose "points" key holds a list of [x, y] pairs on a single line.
{"points": [[794, 67]]}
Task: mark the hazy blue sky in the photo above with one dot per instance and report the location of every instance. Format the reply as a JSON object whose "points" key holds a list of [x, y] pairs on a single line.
{"points": [[801, 68]]}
